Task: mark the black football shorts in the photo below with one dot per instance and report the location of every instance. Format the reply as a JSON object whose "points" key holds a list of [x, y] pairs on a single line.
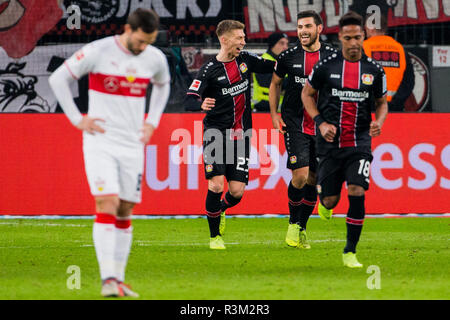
{"points": [[230, 161], [301, 149], [339, 165]]}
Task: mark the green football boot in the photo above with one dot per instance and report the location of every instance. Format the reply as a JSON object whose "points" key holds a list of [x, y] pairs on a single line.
{"points": [[222, 223], [216, 243], [292, 235], [303, 242], [324, 213], [350, 260]]}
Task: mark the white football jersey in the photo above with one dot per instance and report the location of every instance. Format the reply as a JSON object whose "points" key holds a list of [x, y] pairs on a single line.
{"points": [[118, 82]]}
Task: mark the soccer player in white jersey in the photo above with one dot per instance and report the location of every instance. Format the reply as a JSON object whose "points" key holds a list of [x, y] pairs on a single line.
{"points": [[115, 131]]}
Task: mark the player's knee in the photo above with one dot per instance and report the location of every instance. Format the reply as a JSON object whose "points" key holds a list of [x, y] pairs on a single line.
{"points": [[217, 188], [107, 205], [299, 178], [236, 190], [311, 179], [354, 190], [125, 209], [237, 193], [215, 185], [329, 202]]}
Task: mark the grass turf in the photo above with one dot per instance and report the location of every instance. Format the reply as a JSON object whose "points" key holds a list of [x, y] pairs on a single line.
{"points": [[170, 259]]}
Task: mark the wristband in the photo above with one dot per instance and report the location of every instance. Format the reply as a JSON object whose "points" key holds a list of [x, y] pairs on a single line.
{"points": [[318, 120]]}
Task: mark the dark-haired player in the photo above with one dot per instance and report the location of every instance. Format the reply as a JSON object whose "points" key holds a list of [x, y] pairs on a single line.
{"points": [[349, 84], [298, 127], [115, 132]]}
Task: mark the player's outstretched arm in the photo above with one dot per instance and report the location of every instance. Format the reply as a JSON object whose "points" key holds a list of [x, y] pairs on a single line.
{"points": [[274, 100], [327, 130], [381, 111], [260, 65]]}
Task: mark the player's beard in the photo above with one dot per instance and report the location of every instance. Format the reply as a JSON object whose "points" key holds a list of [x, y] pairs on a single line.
{"points": [[131, 48], [312, 39]]}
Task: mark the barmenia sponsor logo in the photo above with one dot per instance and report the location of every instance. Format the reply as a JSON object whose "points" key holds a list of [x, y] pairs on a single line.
{"points": [[350, 95], [235, 90]]}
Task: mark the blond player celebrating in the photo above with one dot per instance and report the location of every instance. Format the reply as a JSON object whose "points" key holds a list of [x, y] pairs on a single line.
{"points": [[224, 85], [120, 69]]}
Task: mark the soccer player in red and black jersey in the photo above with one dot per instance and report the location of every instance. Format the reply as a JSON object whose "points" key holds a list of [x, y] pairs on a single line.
{"points": [[224, 84], [349, 84], [297, 126]]}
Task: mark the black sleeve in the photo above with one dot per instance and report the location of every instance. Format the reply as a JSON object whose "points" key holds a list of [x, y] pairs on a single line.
{"points": [[285, 84], [192, 103], [264, 79], [318, 76], [257, 64], [379, 84], [406, 86], [200, 83], [280, 67]]}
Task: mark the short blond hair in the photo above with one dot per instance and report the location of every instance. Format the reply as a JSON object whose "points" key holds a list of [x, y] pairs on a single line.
{"points": [[225, 26]]}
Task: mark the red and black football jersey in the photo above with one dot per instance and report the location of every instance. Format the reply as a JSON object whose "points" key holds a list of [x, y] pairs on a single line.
{"points": [[347, 93], [229, 84], [298, 64]]}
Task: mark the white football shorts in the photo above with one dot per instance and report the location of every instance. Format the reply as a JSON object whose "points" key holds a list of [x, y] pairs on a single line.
{"points": [[113, 169]]}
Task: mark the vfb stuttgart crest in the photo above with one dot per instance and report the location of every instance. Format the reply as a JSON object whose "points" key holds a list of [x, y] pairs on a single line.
{"points": [[293, 159], [131, 74], [209, 168]]}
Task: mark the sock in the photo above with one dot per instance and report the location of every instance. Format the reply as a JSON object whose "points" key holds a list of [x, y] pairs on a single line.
{"points": [[104, 236], [228, 201], [354, 221], [295, 197], [307, 204], [124, 235], [213, 212]]}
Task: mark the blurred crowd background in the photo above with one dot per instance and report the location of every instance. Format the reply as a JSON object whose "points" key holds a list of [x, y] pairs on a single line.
{"points": [[36, 37]]}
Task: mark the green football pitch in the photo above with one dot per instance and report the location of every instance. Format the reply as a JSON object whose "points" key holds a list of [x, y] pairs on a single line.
{"points": [[404, 258]]}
